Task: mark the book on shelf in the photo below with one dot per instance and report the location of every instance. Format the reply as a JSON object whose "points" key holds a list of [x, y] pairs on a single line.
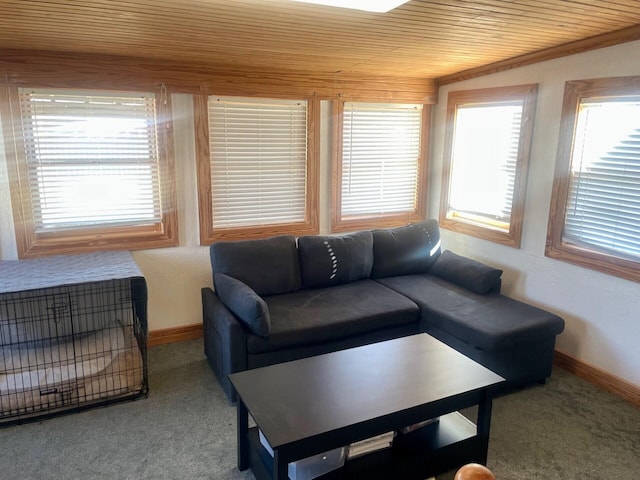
{"points": [[416, 426], [369, 445]]}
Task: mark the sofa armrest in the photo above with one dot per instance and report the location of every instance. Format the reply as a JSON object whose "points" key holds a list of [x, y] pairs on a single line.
{"points": [[244, 302], [225, 341], [467, 273]]}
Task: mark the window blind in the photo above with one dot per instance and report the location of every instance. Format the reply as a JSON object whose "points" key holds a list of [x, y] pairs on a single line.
{"points": [[484, 160], [92, 158], [603, 208], [258, 153], [380, 158]]}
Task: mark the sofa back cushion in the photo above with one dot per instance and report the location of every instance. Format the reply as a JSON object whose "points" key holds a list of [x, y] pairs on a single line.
{"points": [[268, 266], [405, 250], [333, 260]]}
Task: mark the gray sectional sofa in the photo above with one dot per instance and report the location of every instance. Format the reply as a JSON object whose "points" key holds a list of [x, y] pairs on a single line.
{"points": [[279, 299]]}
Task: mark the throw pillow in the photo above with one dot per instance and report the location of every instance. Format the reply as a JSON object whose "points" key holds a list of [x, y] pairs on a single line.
{"points": [[244, 302], [465, 272], [333, 260], [405, 250], [269, 266]]}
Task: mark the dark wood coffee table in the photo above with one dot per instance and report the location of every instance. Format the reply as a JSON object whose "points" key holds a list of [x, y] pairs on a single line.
{"points": [[316, 404]]}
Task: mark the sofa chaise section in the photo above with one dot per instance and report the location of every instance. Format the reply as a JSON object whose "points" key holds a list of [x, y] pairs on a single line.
{"points": [[512, 338]]}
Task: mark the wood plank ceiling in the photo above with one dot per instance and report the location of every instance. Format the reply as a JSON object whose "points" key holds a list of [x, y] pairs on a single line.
{"points": [[422, 39]]}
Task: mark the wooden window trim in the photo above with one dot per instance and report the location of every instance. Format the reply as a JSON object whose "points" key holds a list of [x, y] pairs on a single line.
{"points": [[209, 234], [31, 245], [525, 93], [339, 224], [556, 247]]}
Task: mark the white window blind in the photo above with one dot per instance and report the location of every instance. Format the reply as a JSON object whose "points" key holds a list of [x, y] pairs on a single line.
{"points": [[483, 164], [92, 158], [380, 158], [603, 208], [258, 153]]}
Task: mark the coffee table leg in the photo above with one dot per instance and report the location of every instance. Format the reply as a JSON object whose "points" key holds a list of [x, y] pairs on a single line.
{"points": [[280, 468], [243, 439], [484, 424]]}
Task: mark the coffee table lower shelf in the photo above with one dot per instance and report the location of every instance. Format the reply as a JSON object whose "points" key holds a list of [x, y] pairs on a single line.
{"points": [[437, 447]]}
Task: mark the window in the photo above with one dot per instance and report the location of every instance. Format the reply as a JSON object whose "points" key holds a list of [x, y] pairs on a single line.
{"points": [[91, 170], [595, 214], [256, 167], [487, 144], [379, 164]]}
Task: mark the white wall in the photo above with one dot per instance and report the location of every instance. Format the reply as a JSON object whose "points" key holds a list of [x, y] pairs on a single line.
{"points": [[176, 275], [602, 312]]}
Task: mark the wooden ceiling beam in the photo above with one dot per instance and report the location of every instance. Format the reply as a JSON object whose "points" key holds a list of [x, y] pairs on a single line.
{"points": [[70, 70]]}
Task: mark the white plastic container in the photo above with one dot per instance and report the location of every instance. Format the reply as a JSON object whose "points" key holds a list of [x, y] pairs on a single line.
{"points": [[314, 466], [265, 443]]}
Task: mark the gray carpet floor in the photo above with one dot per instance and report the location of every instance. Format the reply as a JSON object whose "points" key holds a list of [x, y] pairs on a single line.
{"points": [[566, 429]]}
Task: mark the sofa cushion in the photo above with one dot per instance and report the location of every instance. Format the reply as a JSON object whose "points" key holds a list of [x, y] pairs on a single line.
{"points": [[269, 266], [405, 250], [244, 302], [314, 316], [489, 322], [465, 272], [333, 260]]}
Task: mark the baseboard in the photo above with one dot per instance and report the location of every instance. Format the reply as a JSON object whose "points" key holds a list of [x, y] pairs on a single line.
{"points": [[598, 377], [174, 334]]}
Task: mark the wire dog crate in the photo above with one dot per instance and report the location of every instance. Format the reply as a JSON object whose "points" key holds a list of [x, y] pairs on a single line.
{"points": [[73, 334]]}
